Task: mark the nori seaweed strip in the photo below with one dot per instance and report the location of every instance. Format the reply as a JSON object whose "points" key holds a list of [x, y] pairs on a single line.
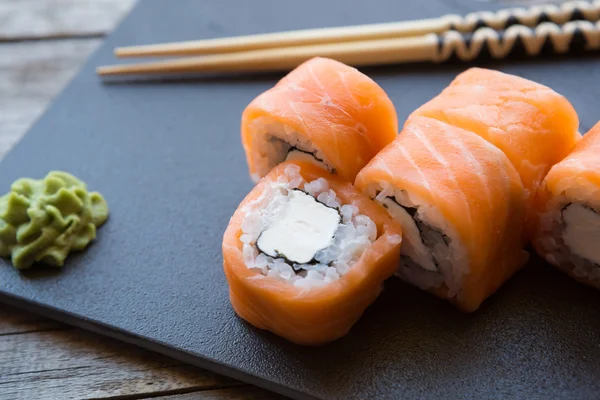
{"points": [[424, 229], [333, 208], [564, 208], [421, 226], [305, 152], [313, 261], [294, 148], [579, 204], [409, 263]]}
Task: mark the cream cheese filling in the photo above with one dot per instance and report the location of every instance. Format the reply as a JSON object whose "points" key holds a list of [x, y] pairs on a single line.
{"points": [[582, 231], [300, 229]]}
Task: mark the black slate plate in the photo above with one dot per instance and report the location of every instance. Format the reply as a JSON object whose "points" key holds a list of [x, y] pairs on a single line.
{"points": [[168, 159]]}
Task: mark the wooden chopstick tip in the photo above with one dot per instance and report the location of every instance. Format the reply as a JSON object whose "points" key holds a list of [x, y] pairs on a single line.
{"points": [[138, 51], [126, 52], [107, 70]]}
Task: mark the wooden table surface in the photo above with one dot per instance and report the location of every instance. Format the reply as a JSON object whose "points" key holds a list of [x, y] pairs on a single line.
{"points": [[43, 43]]}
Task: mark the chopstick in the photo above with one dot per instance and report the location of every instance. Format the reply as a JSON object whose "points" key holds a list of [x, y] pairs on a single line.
{"points": [[352, 53], [560, 14], [572, 36]]}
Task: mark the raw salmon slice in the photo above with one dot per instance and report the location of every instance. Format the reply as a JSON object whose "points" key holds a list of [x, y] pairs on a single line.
{"points": [[532, 124]]}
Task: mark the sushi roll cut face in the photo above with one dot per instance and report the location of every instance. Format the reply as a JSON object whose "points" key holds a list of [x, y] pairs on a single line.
{"points": [[306, 253], [276, 142], [428, 244], [569, 238], [568, 229], [300, 233], [432, 254]]}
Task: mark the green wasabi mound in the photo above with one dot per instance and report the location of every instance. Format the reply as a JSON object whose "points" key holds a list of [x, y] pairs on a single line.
{"points": [[44, 220]]}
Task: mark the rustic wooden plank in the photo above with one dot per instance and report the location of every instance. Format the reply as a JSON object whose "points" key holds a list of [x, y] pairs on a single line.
{"points": [[42, 19], [14, 321], [246, 392], [78, 365], [31, 74], [526, 2], [74, 364]]}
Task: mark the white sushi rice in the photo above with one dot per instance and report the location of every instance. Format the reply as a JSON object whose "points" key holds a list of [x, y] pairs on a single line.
{"points": [[353, 236], [428, 258], [275, 143]]}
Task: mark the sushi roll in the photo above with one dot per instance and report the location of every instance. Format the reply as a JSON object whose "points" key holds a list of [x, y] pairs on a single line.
{"points": [[323, 111], [532, 124], [461, 205], [306, 253], [568, 229]]}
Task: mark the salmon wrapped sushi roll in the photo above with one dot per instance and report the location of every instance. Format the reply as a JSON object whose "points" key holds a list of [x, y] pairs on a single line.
{"points": [[568, 232], [532, 124], [306, 253], [323, 111], [461, 205]]}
